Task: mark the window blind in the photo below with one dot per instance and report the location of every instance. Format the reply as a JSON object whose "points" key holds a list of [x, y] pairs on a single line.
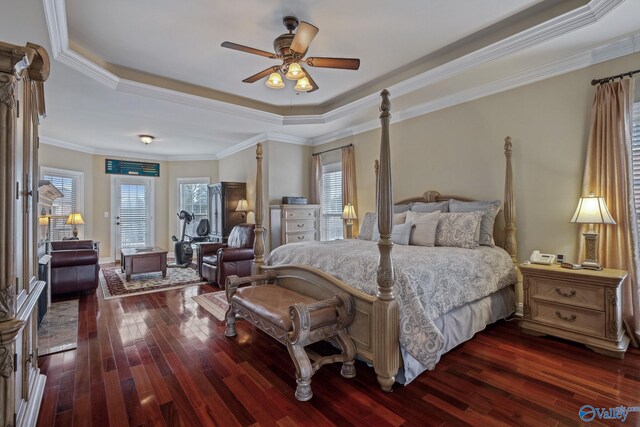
{"points": [[69, 184], [194, 198], [635, 156], [135, 216], [331, 202]]}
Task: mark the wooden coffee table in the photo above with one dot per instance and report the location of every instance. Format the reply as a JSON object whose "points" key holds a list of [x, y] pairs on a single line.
{"points": [[143, 260]]}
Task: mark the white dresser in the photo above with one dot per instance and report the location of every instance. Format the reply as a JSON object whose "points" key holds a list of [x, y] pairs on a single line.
{"points": [[294, 223]]}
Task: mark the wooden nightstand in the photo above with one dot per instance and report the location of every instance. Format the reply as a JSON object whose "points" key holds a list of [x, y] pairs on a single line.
{"points": [[579, 305]]}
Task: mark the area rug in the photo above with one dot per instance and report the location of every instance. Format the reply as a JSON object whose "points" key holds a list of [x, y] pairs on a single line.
{"points": [[114, 285], [59, 328], [214, 302]]}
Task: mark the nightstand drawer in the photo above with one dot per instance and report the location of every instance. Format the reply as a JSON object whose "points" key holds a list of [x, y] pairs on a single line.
{"points": [[565, 292], [572, 318], [291, 225], [305, 236], [300, 214]]}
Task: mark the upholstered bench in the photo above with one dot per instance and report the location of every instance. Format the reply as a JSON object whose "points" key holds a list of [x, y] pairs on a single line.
{"points": [[295, 320]]}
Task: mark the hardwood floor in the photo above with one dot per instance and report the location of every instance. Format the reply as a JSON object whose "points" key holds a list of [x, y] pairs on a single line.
{"points": [[159, 359]]}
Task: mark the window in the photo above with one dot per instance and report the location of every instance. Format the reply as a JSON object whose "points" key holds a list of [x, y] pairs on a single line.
{"points": [[193, 196], [635, 156], [331, 202], [71, 185]]}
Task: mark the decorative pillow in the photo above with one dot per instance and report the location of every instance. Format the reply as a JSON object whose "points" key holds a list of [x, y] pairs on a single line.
{"points": [[489, 208], [424, 228], [458, 230], [368, 224], [430, 207], [400, 234], [399, 218], [401, 208]]}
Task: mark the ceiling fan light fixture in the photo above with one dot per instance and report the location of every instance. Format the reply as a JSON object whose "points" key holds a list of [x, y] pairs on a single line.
{"points": [[303, 85], [275, 81], [146, 139], [295, 72]]}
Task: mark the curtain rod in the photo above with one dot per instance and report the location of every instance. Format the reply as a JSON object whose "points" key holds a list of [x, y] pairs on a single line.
{"points": [[337, 148], [609, 79]]}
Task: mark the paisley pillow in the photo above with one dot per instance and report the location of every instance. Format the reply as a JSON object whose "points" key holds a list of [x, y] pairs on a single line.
{"points": [[369, 222], [458, 230]]}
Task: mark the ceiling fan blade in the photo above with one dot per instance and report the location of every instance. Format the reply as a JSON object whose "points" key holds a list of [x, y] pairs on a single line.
{"points": [[248, 49], [304, 35], [261, 74], [342, 63], [311, 81]]}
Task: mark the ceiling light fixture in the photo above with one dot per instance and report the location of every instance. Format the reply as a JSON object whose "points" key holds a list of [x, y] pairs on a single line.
{"points": [[295, 72], [146, 139], [275, 81], [303, 85]]}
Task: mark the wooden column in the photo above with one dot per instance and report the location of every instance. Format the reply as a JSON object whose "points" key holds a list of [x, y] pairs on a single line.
{"points": [[258, 245], [510, 244], [386, 322]]}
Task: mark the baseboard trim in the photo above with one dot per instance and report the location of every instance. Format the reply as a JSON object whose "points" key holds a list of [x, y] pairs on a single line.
{"points": [[108, 260]]}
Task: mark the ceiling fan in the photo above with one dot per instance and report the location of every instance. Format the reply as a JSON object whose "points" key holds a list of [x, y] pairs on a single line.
{"points": [[290, 49]]}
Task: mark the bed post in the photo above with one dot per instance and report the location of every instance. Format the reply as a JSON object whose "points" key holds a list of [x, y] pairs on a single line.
{"points": [[258, 244], [386, 315], [376, 169], [510, 243]]}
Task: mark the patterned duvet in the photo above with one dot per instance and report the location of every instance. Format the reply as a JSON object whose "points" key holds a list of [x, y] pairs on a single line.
{"points": [[430, 281]]}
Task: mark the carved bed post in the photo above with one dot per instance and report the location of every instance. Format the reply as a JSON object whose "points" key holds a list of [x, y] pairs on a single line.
{"points": [[510, 243], [376, 168], [258, 245], [386, 325]]}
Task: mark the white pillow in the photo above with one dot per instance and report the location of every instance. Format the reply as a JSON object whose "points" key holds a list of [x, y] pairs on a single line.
{"points": [[424, 230], [400, 234], [399, 218]]}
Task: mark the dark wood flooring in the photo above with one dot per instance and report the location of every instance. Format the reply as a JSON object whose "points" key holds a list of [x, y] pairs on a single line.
{"points": [[159, 359]]}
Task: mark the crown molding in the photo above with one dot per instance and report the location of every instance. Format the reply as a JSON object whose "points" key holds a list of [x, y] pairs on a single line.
{"points": [[58, 31], [64, 144]]}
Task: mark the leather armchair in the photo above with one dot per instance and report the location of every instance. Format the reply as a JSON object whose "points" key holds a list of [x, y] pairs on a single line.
{"points": [[74, 267], [216, 261]]}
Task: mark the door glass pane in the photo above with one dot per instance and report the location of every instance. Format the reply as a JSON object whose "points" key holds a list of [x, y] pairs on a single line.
{"points": [[134, 216]]}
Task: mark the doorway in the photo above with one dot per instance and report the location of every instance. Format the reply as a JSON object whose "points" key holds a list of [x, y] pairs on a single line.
{"points": [[132, 213]]}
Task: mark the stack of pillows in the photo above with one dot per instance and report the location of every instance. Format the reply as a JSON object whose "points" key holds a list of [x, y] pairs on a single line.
{"points": [[450, 223]]}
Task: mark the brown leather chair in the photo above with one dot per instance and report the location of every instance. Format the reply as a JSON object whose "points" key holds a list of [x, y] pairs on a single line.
{"points": [[216, 261], [74, 267]]}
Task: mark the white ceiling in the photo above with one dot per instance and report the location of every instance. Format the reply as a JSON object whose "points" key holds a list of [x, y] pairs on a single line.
{"points": [[125, 68]]}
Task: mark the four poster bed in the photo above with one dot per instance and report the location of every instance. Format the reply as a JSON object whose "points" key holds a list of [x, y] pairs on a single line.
{"points": [[413, 307]]}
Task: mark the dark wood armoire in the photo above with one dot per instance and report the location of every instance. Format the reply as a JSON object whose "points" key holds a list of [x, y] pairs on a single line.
{"points": [[223, 201], [23, 70]]}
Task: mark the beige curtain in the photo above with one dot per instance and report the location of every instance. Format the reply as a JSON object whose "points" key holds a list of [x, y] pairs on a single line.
{"points": [[349, 182], [316, 179], [608, 173]]}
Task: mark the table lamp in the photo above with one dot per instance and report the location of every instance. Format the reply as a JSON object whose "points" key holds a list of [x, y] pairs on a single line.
{"points": [[349, 213], [243, 206], [592, 210], [75, 218]]}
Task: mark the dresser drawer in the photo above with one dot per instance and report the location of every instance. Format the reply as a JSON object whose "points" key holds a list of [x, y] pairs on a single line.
{"points": [[304, 236], [294, 225], [565, 292], [576, 319], [300, 214]]}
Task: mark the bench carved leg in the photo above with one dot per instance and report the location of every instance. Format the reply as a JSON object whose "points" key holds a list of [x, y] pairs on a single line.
{"points": [[230, 316], [348, 353], [304, 371]]}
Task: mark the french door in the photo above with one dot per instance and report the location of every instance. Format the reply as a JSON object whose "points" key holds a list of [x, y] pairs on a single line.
{"points": [[132, 207]]}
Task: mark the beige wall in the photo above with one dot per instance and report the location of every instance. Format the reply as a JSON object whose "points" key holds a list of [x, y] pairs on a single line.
{"points": [[458, 150]]}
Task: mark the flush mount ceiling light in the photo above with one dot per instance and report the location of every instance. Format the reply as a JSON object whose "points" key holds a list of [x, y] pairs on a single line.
{"points": [[146, 139], [290, 49]]}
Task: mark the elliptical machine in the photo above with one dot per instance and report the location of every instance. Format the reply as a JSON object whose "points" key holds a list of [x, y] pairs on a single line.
{"points": [[182, 247]]}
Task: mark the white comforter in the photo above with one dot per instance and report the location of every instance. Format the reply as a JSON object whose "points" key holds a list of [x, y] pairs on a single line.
{"points": [[430, 281]]}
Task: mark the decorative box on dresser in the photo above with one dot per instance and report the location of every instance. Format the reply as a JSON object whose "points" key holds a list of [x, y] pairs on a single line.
{"points": [[22, 73], [579, 305], [223, 201], [294, 223]]}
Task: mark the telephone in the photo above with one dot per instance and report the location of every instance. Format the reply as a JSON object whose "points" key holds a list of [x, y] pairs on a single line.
{"points": [[538, 258]]}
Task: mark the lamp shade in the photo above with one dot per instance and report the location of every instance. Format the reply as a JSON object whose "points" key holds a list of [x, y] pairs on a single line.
{"points": [[295, 72], [592, 210], [243, 206], [275, 81], [75, 218], [303, 85], [349, 212], [43, 220]]}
